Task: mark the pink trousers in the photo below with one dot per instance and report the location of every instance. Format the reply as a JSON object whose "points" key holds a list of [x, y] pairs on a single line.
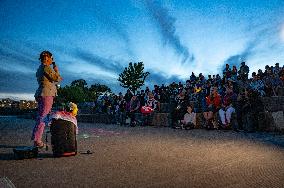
{"points": [[44, 107]]}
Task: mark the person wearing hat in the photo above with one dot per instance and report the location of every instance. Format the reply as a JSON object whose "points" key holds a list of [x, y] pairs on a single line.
{"points": [[47, 78]]}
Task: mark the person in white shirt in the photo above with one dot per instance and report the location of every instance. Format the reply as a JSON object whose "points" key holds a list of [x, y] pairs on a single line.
{"points": [[189, 119]]}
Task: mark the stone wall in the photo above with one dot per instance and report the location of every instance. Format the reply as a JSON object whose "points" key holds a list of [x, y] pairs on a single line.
{"points": [[273, 104], [96, 118], [273, 116]]}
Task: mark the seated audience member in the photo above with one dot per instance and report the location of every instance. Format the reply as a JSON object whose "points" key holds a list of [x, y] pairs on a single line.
{"points": [[189, 119], [154, 105], [152, 102], [213, 102], [225, 114], [257, 85]]}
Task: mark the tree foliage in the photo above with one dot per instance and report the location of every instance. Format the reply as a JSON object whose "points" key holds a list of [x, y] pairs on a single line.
{"points": [[96, 90], [79, 92], [133, 76], [79, 83]]}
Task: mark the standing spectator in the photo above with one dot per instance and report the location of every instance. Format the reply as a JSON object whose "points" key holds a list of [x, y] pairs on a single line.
{"points": [[134, 108], [210, 79], [218, 79], [242, 108], [268, 85], [256, 106], [277, 84], [156, 92], [128, 95], [164, 96], [244, 71], [201, 79], [121, 113], [193, 77], [47, 78], [267, 71], [180, 108], [234, 74], [147, 90], [214, 79], [187, 84], [260, 74], [141, 98], [227, 72], [207, 88], [276, 69]]}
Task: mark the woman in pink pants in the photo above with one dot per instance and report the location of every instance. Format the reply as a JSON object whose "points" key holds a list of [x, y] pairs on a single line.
{"points": [[47, 78]]}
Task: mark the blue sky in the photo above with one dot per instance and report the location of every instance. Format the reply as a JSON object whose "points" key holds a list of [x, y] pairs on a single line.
{"points": [[95, 40]]}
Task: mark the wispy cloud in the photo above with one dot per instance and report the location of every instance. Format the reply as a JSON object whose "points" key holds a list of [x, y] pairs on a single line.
{"points": [[251, 47], [112, 23], [115, 67], [107, 65], [166, 24], [160, 78], [14, 59], [17, 82], [243, 56]]}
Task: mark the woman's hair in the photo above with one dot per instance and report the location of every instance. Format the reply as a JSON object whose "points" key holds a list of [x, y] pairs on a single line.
{"points": [[43, 53], [189, 105]]}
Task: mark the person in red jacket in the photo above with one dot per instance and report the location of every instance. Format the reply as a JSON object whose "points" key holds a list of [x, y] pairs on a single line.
{"points": [[213, 102]]}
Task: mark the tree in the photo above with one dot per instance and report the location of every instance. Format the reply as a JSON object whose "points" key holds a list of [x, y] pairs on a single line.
{"points": [[97, 89], [71, 94], [79, 83], [79, 92], [133, 76]]}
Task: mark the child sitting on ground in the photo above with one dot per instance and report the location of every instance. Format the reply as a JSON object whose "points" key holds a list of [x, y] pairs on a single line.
{"points": [[189, 119]]}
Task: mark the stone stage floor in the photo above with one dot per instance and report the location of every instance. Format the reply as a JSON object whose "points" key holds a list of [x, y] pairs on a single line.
{"points": [[145, 157]]}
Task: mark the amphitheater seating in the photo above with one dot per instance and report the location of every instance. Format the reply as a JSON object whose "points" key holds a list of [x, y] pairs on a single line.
{"points": [[270, 120]]}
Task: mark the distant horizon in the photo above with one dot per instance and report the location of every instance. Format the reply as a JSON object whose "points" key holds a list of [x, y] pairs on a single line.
{"points": [[17, 96]]}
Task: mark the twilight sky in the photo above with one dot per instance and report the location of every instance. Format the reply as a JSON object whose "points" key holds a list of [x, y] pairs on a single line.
{"points": [[95, 39]]}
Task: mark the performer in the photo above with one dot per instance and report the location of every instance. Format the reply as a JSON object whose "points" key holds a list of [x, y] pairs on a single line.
{"points": [[47, 78]]}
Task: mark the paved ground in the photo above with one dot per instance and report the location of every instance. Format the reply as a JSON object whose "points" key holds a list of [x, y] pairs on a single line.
{"points": [[146, 157]]}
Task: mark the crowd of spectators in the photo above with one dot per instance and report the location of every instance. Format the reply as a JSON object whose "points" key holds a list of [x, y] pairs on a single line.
{"points": [[217, 97]]}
